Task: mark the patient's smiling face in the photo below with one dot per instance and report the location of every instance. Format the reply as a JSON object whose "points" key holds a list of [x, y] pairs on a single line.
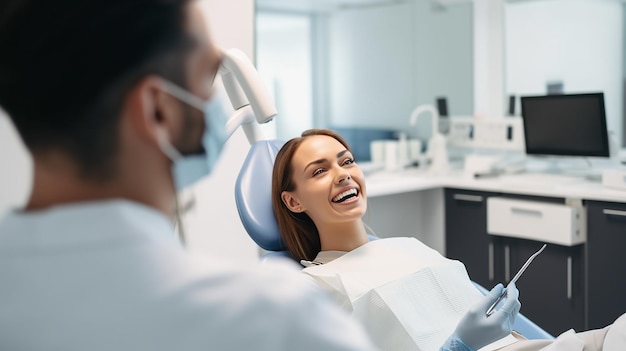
{"points": [[329, 186]]}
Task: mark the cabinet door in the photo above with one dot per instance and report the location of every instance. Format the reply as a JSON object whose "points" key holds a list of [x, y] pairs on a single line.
{"points": [[466, 234], [552, 288], [606, 262]]}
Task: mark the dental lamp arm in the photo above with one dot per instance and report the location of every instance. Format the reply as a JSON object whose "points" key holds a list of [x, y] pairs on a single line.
{"points": [[252, 102]]}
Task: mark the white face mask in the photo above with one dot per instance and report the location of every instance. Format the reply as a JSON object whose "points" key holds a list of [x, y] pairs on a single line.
{"points": [[188, 169]]}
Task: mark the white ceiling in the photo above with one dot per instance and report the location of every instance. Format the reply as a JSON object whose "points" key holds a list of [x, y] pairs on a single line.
{"points": [[331, 5], [318, 5]]}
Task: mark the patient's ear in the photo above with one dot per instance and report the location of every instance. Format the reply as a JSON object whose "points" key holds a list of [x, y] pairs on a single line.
{"points": [[291, 202]]}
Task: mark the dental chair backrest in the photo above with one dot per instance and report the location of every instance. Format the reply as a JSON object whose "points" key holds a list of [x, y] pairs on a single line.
{"points": [[253, 197]]}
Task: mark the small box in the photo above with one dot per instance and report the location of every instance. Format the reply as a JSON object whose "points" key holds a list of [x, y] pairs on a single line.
{"points": [[614, 178]]}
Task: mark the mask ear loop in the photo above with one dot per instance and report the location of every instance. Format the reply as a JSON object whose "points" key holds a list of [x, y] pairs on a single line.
{"points": [[180, 227], [173, 155], [180, 211]]}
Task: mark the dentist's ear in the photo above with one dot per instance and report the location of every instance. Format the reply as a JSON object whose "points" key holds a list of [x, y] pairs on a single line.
{"points": [[151, 111], [291, 202]]}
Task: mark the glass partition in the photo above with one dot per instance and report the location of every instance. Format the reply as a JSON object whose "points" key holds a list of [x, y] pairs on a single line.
{"points": [[368, 64], [284, 60]]}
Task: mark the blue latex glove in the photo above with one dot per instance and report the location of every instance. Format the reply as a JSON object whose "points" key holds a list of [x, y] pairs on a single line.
{"points": [[476, 330]]}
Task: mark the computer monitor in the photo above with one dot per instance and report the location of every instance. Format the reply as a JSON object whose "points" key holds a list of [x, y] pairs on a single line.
{"points": [[565, 125]]}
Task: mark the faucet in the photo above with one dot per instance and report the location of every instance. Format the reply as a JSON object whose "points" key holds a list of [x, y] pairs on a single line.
{"points": [[436, 151]]}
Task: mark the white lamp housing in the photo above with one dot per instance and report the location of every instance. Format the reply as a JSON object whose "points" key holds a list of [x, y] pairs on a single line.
{"points": [[245, 88]]}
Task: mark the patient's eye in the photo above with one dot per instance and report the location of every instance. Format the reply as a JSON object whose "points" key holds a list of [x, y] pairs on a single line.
{"points": [[318, 171], [348, 161]]}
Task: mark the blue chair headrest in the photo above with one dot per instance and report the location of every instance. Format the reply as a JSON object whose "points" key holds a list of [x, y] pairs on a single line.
{"points": [[253, 195]]}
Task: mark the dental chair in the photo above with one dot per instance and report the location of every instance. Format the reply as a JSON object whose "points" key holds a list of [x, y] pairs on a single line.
{"points": [[254, 203]]}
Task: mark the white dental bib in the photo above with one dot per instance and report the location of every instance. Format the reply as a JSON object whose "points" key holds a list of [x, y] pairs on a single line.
{"points": [[407, 295]]}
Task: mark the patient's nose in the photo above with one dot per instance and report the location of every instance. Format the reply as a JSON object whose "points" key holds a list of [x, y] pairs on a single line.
{"points": [[343, 176]]}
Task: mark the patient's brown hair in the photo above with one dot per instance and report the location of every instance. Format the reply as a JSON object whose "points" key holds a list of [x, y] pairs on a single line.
{"points": [[298, 231]]}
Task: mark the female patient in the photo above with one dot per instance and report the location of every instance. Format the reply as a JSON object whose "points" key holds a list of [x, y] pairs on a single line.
{"points": [[319, 198]]}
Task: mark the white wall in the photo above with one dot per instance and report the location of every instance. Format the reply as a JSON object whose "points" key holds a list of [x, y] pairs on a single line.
{"points": [[578, 42], [213, 225], [15, 167], [386, 60]]}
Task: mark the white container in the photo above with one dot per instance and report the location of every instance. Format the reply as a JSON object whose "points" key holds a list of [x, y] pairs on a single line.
{"points": [[395, 154], [377, 151], [415, 149], [614, 178], [540, 221], [385, 152], [392, 155]]}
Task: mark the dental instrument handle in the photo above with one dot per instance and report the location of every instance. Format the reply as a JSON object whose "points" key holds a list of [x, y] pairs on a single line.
{"points": [[491, 309], [493, 306]]}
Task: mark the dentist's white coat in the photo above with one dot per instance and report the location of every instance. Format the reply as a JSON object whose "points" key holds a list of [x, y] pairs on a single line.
{"points": [[112, 276]]}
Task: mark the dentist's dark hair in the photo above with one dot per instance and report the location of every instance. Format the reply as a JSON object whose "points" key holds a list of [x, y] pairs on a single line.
{"points": [[297, 230], [66, 66]]}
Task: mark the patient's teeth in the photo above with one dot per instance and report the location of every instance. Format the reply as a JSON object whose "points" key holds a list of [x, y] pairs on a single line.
{"points": [[344, 195]]}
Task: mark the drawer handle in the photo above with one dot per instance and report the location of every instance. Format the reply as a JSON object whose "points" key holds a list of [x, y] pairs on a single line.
{"points": [[525, 211], [491, 268], [569, 278], [614, 212], [507, 263], [470, 198]]}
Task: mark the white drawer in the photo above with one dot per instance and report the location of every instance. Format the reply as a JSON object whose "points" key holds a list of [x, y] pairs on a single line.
{"points": [[541, 221]]}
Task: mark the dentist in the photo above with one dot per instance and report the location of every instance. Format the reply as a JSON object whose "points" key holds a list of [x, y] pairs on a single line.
{"points": [[112, 98]]}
